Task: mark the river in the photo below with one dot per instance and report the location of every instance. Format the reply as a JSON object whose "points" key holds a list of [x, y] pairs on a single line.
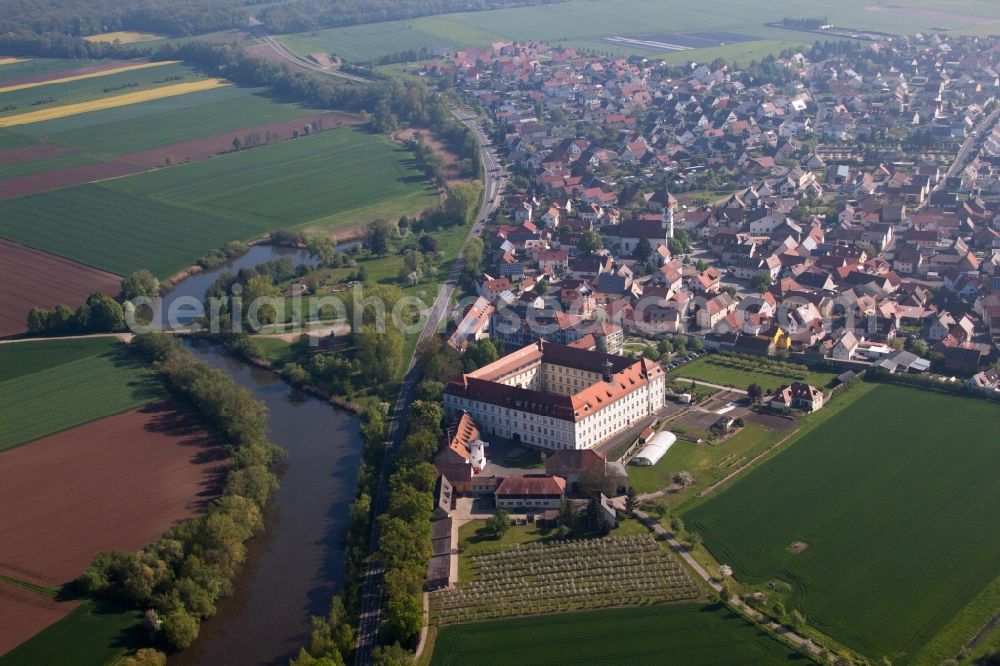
{"points": [[297, 564]]}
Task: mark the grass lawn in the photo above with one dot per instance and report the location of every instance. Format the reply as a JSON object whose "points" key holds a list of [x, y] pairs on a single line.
{"points": [[895, 497], [89, 636], [50, 389], [710, 368], [708, 462], [164, 220], [689, 634]]}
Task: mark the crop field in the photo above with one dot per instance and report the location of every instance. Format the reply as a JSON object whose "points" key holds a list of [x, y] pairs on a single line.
{"points": [[23, 613], [67, 388], [117, 482], [31, 278], [165, 219], [689, 634], [727, 371], [583, 24], [155, 124], [94, 635], [894, 498], [123, 37], [111, 102], [111, 75]]}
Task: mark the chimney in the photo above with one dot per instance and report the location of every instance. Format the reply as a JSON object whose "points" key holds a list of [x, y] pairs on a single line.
{"points": [[606, 374]]}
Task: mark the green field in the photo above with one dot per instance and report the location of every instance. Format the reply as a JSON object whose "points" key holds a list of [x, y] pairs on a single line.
{"points": [[47, 386], [83, 121], [688, 634], [89, 636], [39, 66], [896, 497], [83, 90], [219, 111], [710, 368], [585, 24], [165, 219]]}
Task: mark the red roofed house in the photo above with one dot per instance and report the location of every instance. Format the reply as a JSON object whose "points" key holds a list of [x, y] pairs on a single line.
{"points": [[534, 491], [798, 396]]}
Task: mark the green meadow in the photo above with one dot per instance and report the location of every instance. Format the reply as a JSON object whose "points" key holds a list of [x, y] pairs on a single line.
{"points": [[895, 498]]}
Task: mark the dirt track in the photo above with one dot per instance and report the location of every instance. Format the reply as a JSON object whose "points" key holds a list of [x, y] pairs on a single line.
{"points": [[32, 278], [118, 482], [24, 613]]}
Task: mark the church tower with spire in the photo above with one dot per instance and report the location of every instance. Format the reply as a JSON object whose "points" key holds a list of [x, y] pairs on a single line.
{"points": [[669, 203]]}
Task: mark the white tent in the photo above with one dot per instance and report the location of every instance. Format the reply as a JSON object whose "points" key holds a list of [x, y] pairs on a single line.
{"points": [[655, 448]]}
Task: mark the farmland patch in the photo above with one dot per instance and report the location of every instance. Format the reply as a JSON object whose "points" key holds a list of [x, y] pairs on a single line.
{"points": [[895, 496], [111, 102], [123, 37], [80, 74], [32, 278], [680, 41], [690, 634], [118, 482], [24, 613], [165, 219], [68, 394]]}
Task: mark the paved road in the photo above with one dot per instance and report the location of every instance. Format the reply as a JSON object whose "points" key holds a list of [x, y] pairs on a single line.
{"points": [[296, 59], [371, 604], [963, 156]]}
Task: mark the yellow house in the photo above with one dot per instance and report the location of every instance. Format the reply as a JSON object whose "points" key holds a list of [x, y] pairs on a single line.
{"points": [[778, 337]]}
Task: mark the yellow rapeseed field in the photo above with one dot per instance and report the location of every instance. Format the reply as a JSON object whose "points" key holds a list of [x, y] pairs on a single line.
{"points": [[90, 75], [111, 102], [123, 37], [10, 61]]}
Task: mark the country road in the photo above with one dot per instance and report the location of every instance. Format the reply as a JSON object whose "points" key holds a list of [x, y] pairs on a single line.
{"points": [[301, 61], [371, 604]]}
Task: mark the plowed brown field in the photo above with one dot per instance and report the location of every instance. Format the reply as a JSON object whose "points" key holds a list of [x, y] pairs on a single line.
{"points": [[32, 278], [24, 613], [118, 482], [35, 152], [54, 180]]}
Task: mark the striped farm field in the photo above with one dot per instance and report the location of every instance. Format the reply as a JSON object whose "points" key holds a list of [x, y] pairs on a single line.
{"points": [[895, 497], [165, 219], [111, 102], [81, 77], [688, 634], [71, 389]]}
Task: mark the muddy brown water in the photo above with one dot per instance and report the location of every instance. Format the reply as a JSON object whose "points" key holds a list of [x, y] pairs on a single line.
{"points": [[297, 564]]}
